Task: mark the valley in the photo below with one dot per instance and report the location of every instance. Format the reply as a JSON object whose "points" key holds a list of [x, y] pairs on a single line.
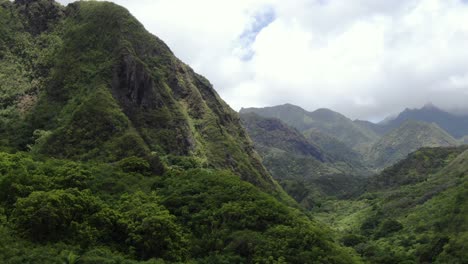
{"points": [[401, 201]]}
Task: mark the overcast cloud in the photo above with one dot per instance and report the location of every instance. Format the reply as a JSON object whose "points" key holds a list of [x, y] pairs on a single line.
{"points": [[364, 58]]}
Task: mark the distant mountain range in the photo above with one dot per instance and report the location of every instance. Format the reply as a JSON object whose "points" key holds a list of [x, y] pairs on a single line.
{"points": [[376, 145], [415, 195], [308, 168], [323, 120], [455, 125]]}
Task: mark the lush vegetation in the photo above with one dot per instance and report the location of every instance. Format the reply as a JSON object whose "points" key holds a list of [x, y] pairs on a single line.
{"points": [[114, 151], [88, 82], [309, 173], [414, 212], [115, 212]]}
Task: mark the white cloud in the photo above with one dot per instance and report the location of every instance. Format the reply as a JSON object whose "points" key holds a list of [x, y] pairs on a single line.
{"points": [[364, 58]]}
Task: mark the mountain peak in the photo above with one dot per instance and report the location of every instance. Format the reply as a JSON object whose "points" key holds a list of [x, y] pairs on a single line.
{"points": [[430, 106]]}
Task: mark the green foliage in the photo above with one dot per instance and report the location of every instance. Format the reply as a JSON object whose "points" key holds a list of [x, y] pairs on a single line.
{"points": [[253, 225], [91, 124], [388, 226], [307, 172], [416, 213], [88, 82], [352, 240], [415, 168], [102, 213], [152, 230], [54, 214], [134, 164]]}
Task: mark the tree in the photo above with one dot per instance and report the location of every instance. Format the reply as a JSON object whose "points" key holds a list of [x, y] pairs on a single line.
{"points": [[53, 214]]}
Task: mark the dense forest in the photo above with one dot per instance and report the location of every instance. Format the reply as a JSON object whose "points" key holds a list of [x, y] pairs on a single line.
{"points": [[414, 211], [112, 150]]}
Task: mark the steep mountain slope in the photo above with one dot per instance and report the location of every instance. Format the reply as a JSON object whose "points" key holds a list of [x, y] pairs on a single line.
{"points": [[455, 125], [113, 89], [307, 172], [407, 138], [414, 212], [131, 156], [322, 120]]}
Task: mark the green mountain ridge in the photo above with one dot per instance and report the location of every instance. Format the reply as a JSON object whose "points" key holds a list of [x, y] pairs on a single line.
{"points": [[455, 124], [409, 137], [359, 141], [114, 151], [307, 172], [324, 120], [124, 90]]}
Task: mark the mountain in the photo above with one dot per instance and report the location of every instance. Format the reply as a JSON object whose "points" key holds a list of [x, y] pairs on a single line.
{"points": [[108, 97], [308, 172], [322, 120], [409, 137], [379, 129], [272, 133], [413, 212], [455, 125], [415, 168], [112, 150], [335, 149]]}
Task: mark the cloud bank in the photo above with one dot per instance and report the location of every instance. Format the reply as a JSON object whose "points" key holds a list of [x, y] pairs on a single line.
{"points": [[365, 58]]}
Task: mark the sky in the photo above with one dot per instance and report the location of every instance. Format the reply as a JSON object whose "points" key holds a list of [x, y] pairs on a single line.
{"points": [[366, 59]]}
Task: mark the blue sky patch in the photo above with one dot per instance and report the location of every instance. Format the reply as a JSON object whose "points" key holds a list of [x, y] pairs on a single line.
{"points": [[261, 19]]}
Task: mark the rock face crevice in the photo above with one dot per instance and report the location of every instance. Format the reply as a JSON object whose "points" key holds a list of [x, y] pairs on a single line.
{"points": [[150, 107], [133, 85]]}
